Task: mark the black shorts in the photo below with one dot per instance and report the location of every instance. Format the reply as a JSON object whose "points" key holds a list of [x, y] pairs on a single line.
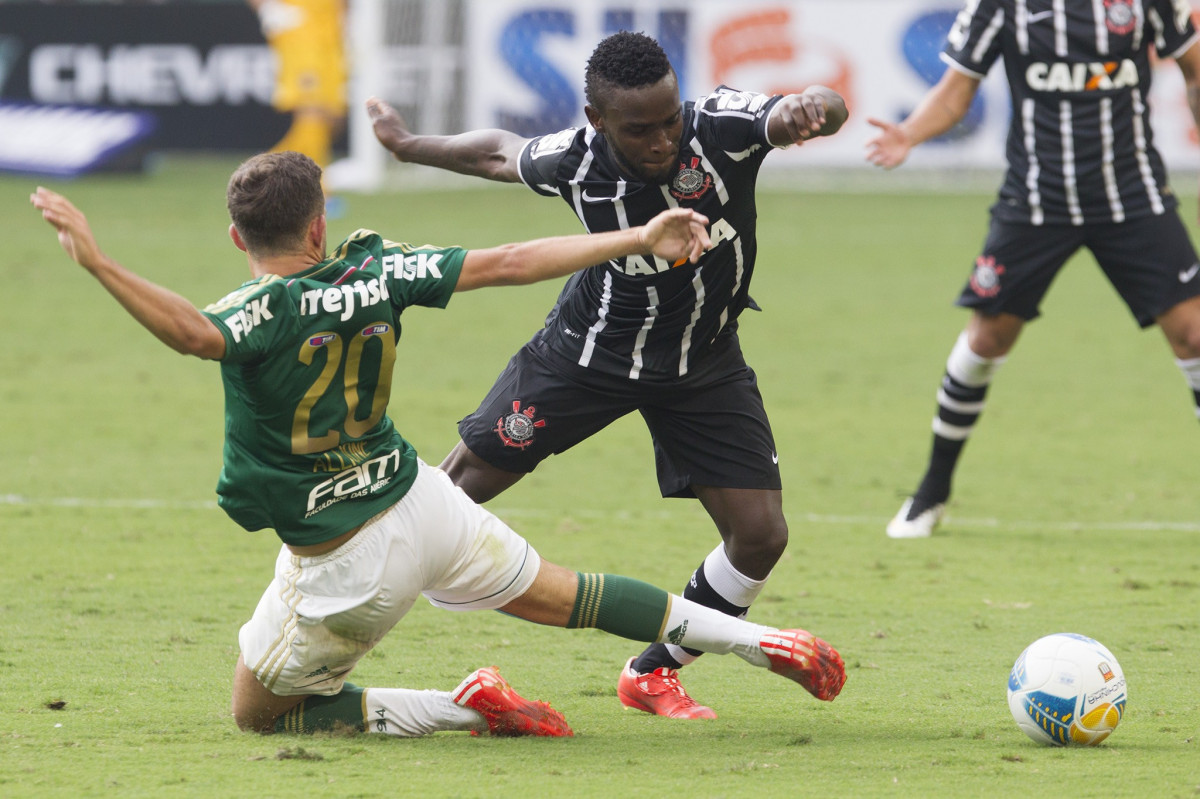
{"points": [[1149, 261], [709, 428]]}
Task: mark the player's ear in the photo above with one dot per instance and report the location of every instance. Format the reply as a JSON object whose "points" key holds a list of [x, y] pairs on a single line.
{"points": [[237, 238], [594, 118], [316, 232]]}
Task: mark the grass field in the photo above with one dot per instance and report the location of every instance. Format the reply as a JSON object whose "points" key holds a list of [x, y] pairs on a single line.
{"points": [[124, 585]]}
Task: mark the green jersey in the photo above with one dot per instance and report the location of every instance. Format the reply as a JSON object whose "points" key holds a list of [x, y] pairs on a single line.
{"points": [[309, 448]]}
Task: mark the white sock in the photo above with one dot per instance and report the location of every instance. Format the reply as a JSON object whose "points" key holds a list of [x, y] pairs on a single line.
{"points": [[1191, 371], [697, 627], [968, 368], [733, 586], [408, 713]]}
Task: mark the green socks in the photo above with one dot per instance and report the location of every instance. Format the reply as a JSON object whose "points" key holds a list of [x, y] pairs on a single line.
{"points": [[324, 713], [621, 606]]}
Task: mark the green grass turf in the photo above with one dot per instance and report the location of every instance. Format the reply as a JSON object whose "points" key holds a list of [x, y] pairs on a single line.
{"points": [[124, 587]]}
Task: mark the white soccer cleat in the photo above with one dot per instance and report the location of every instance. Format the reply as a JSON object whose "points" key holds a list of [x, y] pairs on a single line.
{"points": [[920, 524]]}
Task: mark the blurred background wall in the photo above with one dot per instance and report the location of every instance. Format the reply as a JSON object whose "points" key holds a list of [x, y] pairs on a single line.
{"points": [[201, 73]]}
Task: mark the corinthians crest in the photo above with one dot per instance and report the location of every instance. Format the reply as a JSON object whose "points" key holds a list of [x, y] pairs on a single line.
{"points": [[516, 429], [691, 182], [985, 280], [1119, 16]]}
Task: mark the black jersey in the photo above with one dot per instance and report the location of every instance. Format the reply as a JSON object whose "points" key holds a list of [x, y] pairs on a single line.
{"points": [[641, 317], [1080, 148]]}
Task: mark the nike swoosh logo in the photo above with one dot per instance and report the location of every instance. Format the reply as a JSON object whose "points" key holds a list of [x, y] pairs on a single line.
{"points": [[775, 457], [1185, 276], [587, 198], [1032, 18]]}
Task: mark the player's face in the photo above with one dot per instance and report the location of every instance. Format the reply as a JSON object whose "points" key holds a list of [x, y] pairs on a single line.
{"points": [[643, 127]]}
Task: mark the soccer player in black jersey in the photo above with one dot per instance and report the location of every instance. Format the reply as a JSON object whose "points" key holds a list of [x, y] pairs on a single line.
{"points": [[1082, 172], [644, 334]]}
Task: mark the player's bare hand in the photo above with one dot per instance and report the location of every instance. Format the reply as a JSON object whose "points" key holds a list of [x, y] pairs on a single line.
{"points": [[817, 111], [890, 147], [74, 233], [390, 128], [678, 234], [803, 116]]}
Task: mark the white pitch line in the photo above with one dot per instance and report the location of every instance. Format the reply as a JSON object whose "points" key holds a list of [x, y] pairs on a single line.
{"points": [[118, 504], [533, 513]]}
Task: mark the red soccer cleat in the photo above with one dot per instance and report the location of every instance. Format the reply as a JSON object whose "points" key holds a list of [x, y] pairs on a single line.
{"points": [[660, 693], [507, 712], [801, 656]]}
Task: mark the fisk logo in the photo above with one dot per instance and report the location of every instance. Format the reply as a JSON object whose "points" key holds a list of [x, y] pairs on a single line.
{"points": [[412, 267], [249, 317], [1082, 77]]}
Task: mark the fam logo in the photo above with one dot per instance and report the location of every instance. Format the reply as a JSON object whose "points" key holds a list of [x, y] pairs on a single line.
{"points": [[1105, 670], [985, 280], [517, 428], [1119, 16], [691, 183]]}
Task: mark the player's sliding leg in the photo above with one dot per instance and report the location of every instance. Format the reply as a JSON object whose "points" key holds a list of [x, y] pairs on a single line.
{"points": [[639, 611], [483, 702], [960, 400]]}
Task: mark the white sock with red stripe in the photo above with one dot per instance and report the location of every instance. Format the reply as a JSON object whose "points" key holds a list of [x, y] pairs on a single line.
{"points": [[408, 713]]}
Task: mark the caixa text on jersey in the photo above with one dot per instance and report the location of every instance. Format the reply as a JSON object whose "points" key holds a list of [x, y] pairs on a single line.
{"points": [[1081, 77]]}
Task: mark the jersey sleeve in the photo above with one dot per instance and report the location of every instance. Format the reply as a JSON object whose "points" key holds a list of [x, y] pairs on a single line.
{"points": [[540, 159], [1173, 26], [424, 275], [253, 318], [735, 120], [973, 44]]}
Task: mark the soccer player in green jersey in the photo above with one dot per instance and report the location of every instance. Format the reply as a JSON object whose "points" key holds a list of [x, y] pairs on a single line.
{"points": [[307, 350]]}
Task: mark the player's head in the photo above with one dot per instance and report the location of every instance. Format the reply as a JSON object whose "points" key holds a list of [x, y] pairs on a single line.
{"points": [[633, 101], [273, 199]]}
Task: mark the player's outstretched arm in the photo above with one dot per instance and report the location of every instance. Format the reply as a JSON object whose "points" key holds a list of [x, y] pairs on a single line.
{"points": [[170, 317], [677, 235], [817, 111], [940, 109], [491, 154]]}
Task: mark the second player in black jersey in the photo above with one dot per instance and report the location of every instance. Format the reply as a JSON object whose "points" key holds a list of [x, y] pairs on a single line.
{"points": [[1082, 172], [643, 334]]}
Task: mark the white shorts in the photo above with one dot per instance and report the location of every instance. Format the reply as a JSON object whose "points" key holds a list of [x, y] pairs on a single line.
{"points": [[321, 614]]}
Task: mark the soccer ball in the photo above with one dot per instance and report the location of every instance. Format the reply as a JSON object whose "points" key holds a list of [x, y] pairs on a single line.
{"points": [[1066, 689]]}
